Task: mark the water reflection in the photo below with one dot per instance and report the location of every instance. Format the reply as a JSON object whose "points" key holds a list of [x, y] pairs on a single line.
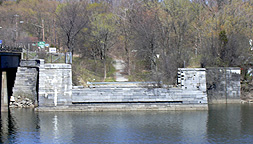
{"points": [[247, 120], [19, 126], [221, 124], [55, 127], [127, 127], [8, 129], [230, 124]]}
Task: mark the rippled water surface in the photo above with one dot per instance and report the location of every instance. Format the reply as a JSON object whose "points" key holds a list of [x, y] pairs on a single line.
{"points": [[221, 124]]}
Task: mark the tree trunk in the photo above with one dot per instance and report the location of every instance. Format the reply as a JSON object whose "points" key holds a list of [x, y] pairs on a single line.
{"points": [[104, 46], [104, 69], [128, 61], [128, 56]]}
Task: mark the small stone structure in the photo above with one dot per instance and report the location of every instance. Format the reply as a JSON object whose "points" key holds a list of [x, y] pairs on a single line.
{"points": [[55, 84], [223, 84]]}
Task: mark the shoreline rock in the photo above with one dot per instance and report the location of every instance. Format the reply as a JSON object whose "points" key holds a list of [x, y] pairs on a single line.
{"points": [[21, 102]]}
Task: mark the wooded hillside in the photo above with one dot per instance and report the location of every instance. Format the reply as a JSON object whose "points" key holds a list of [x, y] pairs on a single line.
{"points": [[154, 37]]}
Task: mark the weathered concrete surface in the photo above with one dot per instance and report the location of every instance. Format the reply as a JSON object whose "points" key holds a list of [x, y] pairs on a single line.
{"points": [[223, 85], [55, 84]]}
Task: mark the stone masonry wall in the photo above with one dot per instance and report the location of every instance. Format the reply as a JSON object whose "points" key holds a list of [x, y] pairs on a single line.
{"points": [[193, 79], [223, 85], [121, 94], [55, 84], [192, 92], [25, 84]]}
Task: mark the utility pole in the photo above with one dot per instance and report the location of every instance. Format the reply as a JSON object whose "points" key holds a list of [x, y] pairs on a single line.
{"points": [[43, 31], [16, 29]]}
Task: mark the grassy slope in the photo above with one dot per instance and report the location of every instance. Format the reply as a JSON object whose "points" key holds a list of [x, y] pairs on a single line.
{"points": [[85, 70]]}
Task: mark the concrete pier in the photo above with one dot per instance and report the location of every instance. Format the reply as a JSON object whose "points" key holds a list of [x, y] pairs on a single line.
{"points": [[4, 92]]}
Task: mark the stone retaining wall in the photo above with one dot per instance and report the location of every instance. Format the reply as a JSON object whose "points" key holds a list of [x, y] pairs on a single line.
{"points": [[191, 95], [138, 94]]}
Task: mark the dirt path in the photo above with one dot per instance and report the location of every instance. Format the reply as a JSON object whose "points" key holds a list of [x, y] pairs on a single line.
{"points": [[119, 66]]}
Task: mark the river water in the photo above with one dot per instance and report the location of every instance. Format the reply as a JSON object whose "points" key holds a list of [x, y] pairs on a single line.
{"points": [[220, 124]]}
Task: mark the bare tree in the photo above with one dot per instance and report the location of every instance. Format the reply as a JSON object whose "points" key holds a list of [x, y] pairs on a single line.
{"points": [[100, 36], [71, 19], [143, 23]]}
